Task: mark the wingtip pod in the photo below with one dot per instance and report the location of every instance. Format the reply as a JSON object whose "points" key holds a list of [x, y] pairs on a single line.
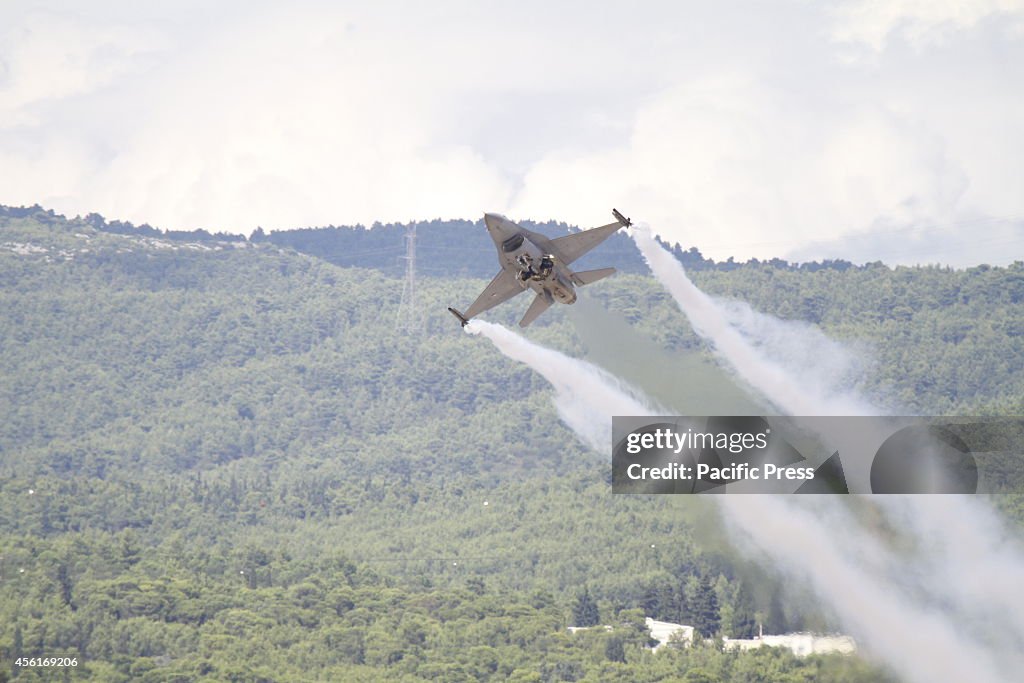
{"points": [[462, 319], [622, 219]]}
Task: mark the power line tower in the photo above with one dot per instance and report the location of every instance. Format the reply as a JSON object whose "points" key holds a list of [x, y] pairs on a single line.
{"points": [[408, 318]]}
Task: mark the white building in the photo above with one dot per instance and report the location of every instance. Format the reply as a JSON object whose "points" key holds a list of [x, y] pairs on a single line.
{"points": [[662, 631], [801, 644]]}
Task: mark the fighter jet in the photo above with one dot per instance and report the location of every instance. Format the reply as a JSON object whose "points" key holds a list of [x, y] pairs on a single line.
{"points": [[535, 262]]}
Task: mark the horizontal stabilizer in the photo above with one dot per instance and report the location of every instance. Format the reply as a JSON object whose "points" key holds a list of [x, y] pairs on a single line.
{"points": [[539, 305], [585, 277]]}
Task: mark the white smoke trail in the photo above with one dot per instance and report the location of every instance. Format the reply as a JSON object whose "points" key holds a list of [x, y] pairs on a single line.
{"points": [[802, 350], [890, 623], [586, 396], [966, 555], [965, 547], [709, 321], [914, 642], [875, 596], [920, 645], [969, 558]]}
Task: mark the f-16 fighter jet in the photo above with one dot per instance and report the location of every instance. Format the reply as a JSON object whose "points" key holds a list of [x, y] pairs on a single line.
{"points": [[532, 261]]}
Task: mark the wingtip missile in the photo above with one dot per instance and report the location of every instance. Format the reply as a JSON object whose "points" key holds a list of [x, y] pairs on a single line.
{"points": [[622, 219], [462, 319]]}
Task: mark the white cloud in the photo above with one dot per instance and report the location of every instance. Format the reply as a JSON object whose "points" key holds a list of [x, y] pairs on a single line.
{"points": [[740, 168], [293, 131], [871, 24], [281, 120], [737, 128], [49, 57]]}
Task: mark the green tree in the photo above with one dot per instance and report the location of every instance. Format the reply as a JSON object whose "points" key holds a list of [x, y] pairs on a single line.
{"points": [[706, 619], [744, 623], [614, 649], [585, 611]]}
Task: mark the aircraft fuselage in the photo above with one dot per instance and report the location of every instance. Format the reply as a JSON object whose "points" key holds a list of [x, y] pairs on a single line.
{"points": [[533, 268]]}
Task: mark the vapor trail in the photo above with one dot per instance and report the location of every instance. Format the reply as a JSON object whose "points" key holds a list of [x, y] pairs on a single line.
{"points": [[586, 396], [921, 645], [709, 321], [847, 567], [971, 560], [849, 574]]}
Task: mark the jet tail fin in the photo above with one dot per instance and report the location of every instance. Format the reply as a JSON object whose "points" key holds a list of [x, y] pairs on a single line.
{"points": [[586, 277], [539, 305]]}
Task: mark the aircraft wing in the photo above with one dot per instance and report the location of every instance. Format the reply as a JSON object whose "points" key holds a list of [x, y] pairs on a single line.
{"points": [[503, 287], [571, 247]]}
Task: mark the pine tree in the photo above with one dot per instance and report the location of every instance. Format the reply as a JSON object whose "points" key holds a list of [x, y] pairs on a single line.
{"points": [[64, 581], [744, 625], [706, 619], [614, 650], [680, 609], [585, 613]]}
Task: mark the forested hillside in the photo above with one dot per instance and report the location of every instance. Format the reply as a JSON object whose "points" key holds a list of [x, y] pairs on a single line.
{"points": [[220, 459]]}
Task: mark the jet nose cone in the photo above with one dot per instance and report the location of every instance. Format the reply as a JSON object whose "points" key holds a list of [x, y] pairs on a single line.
{"points": [[499, 227]]}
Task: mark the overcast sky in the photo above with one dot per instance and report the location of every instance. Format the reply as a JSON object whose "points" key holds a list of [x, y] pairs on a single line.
{"points": [[858, 130]]}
